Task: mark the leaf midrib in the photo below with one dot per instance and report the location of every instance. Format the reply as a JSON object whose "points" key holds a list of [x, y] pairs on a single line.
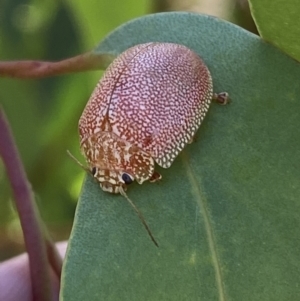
{"points": [[200, 199]]}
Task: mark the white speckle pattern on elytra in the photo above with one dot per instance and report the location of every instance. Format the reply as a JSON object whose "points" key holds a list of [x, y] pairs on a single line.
{"points": [[147, 107]]}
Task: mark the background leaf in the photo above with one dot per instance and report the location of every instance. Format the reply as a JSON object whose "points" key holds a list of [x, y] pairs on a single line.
{"points": [[278, 22], [226, 214]]}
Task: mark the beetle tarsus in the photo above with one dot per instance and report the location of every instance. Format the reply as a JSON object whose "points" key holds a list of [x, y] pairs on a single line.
{"points": [[221, 98]]}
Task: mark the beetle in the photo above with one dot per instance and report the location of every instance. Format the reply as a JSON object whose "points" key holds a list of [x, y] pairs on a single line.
{"points": [[145, 109]]}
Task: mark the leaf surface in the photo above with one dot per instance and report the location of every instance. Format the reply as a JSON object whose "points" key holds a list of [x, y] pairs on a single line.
{"points": [[226, 213]]}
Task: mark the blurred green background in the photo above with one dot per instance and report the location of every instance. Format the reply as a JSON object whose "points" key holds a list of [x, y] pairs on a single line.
{"points": [[44, 113]]}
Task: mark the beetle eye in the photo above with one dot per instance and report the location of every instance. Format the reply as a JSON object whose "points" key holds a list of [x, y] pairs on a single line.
{"points": [[127, 178], [94, 170]]}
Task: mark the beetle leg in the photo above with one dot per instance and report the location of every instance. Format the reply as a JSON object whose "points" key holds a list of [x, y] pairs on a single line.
{"points": [[221, 98], [156, 176]]}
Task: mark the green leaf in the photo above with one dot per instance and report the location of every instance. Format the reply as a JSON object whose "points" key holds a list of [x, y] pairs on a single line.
{"points": [[226, 214], [278, 22]]}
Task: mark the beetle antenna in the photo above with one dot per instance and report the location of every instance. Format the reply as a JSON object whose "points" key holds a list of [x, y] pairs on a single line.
{"points": [[123, 193], [78, 162]]}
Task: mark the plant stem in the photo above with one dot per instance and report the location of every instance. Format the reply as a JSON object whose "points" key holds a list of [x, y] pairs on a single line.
{"points": [[54, 258], [29, 217], [38, 69]]}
